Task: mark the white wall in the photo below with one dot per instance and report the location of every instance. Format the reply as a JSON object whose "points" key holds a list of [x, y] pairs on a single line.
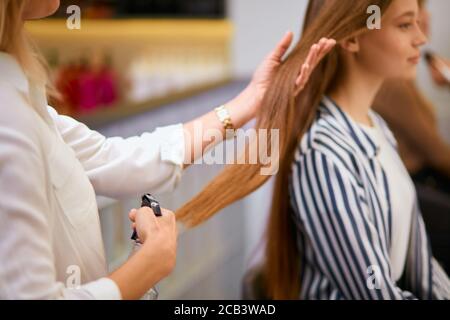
{"points": [[259, 25]]}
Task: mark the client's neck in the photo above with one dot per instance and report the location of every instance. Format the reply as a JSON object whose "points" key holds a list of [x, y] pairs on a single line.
{"points": [[354, 91]]}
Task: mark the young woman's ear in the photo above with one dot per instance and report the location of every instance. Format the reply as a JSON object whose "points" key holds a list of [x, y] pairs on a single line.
{"points": [[350, 45]]}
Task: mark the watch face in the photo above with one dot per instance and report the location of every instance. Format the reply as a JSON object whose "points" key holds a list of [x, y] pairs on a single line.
{"points": [[223, 114]]}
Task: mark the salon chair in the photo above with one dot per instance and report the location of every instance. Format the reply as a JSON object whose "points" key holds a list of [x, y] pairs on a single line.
{"points": [[435, 207], [253, 284]]}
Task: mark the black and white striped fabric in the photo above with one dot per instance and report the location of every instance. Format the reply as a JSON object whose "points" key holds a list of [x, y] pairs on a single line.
{"points": [[341, 206]]}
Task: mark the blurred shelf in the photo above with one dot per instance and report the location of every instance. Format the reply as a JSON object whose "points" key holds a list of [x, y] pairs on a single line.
{"points": [[120, 29], [108, 115], [141, 51], [179, 9]]}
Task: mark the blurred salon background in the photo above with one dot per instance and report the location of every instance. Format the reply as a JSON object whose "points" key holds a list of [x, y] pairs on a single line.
{"points": [[139, 64]]}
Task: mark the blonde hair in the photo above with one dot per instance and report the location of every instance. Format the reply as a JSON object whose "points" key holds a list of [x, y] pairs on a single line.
{"points": [[15, 41]]}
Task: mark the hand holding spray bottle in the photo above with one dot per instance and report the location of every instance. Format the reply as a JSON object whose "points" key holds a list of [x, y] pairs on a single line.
{"points": [[147, 201]]}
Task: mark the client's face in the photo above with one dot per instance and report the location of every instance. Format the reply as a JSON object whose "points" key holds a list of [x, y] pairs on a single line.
{"points": [[394, 50], [425, 20]]}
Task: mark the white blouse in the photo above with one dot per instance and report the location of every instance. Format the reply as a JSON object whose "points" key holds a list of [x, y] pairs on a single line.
{"points": [[51, 168], [402, 197]]}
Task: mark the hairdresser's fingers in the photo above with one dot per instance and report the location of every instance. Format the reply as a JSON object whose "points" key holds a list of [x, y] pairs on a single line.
{"points": [[329, 45], [146, 221], [306, 67], [305, 71], [282, 47], [146, 211], [320, 47], [312, 55], [132, 215], [326, 45], [322, 42], [303, 78], [316, 54]]}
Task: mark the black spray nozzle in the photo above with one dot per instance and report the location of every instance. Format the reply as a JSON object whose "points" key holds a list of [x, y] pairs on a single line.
{"points": [[148, 201]]}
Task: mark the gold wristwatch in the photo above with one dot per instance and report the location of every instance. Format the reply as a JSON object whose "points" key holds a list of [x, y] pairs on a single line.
{"points": [[224, 117]]}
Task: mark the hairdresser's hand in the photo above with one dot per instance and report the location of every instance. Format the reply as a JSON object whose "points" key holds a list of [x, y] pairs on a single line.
{"points": [[246, 105], [317, 52], [263, 76], [157, 234], [155, 260]]}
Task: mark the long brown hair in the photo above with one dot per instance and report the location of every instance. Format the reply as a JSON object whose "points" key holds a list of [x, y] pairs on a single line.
{"points": [[292, 115]]}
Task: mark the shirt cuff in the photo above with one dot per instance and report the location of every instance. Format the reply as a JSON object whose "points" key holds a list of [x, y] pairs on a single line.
{"points": [[172, 144], [103, 289]]}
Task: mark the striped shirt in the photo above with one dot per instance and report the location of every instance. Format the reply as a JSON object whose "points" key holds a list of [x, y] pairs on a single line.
{"points": [[341, 208]]}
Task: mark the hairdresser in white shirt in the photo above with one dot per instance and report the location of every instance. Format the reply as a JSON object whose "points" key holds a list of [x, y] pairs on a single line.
{"points": [[52, 167]]}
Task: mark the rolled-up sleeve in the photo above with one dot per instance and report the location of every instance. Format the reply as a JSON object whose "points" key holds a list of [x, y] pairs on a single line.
{"points": [[103, 289], [118, 167]]}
